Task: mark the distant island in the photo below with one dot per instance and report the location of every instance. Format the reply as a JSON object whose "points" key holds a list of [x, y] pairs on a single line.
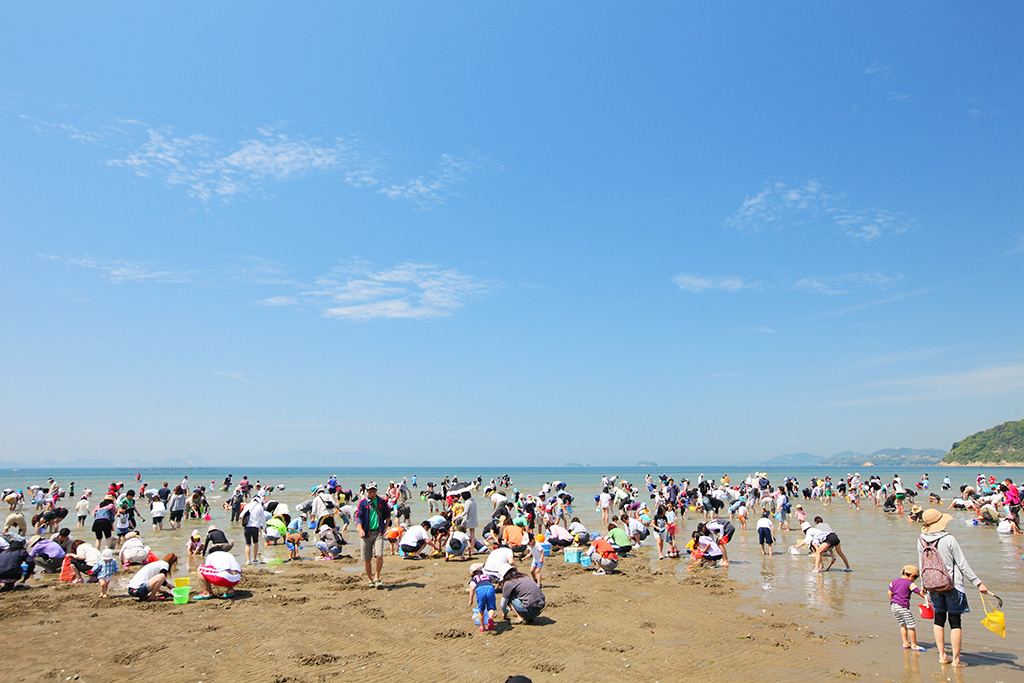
{"points": [[999, 446], [886, 457], [890, 457], [574, 464], [646, 463]]}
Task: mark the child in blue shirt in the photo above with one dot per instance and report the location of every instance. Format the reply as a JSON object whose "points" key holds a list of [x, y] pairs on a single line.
{"points": [[105, 570]]}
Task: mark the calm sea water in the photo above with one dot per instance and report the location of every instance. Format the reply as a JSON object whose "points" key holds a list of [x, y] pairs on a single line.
{"points": [[854, 604]]}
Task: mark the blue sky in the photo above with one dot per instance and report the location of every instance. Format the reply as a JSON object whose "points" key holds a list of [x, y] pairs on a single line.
{"points": [[511, 233]]}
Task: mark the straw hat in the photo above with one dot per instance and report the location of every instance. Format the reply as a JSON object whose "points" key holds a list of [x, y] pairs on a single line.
{"points": [[910, 570], [935, 520], [33, 540]]}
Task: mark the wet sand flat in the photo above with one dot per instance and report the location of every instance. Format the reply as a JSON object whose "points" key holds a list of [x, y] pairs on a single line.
{"points": [[314, 621]]}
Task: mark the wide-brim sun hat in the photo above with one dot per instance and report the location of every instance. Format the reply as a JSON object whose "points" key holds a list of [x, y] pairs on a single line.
{"points": [[504, 569], [935, 520]]}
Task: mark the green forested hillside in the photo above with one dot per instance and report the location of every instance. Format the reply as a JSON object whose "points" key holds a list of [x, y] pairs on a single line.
{"points": [[1004, 443]]}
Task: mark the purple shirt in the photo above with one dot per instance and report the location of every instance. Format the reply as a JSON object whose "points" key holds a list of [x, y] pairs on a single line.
{"points": [[48, 548], [901, 589]]}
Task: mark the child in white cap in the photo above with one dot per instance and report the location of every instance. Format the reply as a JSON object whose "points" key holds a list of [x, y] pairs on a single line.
{"points": [[105, 569]]}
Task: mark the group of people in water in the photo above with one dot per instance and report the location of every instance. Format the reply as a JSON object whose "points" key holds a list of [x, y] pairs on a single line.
{"points": [[494, 520]]}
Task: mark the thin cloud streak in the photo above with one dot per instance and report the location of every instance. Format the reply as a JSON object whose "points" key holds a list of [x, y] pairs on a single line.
{"points": [[699, 283], [901, 357], [971, 384], [841, 284], [353, 291], [832, 285], [118, 271], [881, 302], [238, 375]]}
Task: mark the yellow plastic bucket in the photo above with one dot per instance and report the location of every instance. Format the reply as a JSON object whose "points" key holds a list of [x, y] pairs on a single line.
{"points": [[182, 581], [181, 595]]}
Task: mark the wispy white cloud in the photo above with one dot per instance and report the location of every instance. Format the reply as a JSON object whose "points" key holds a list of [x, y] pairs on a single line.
{"points": [[866, 225], [883, 71], [778, 205], [883, 77], [1018, 245], [817, 284], [842, 284], [212, 170], [992, 381], [432, 190], [117, 271], [238, 375], [689, 282], [360, 291], [279, 301], [354, 290], [209, 170], [902, 356], [781, 205]]}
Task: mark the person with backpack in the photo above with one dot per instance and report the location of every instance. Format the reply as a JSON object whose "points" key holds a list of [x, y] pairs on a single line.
{"points": [[254, 521], [944, 571]]}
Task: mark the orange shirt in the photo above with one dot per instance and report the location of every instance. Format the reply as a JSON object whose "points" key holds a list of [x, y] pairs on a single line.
{"points": [[512, 535], [604, 548]]}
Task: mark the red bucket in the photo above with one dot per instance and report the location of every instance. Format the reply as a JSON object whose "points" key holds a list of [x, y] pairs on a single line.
{"points": [[926, 611]]}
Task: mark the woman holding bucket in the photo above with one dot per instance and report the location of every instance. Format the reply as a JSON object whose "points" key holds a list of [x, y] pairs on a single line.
{"points": [[944, 570]]}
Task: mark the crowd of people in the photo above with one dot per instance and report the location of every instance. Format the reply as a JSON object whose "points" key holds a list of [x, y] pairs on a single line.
{"points": [[502, 525]]}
